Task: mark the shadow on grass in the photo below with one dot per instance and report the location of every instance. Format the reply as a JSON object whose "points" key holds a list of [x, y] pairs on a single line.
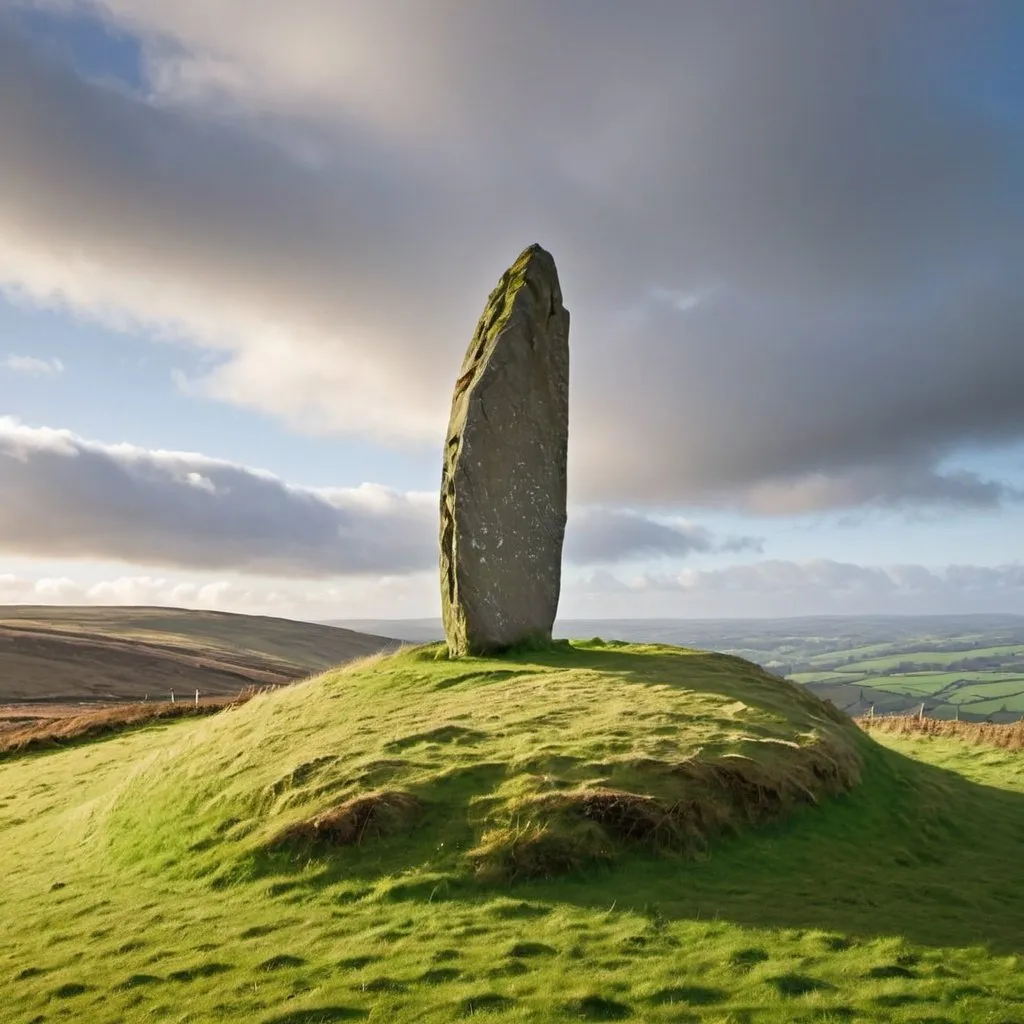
{"points": [[915, 851]]}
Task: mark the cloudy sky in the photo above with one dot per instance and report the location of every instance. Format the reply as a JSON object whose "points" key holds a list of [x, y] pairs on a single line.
{"points": [[244, 244]]}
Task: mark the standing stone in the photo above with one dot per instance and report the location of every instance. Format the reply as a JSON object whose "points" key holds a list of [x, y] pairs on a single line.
{"points": [[504, 478]]}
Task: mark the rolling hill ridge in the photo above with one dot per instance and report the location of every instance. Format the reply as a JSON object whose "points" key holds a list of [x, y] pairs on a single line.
{"points": [[59, 654]]}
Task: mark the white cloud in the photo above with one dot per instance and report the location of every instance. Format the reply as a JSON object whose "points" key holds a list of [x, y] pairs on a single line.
{"points": [[67, 497], [32, 365], [384, 597], [760, 590]]}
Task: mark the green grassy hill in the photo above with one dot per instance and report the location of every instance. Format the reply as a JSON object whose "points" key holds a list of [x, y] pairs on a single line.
{"points": [[595, 832]]}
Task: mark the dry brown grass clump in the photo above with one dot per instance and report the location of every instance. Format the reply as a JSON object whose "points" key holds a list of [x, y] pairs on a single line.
{"points": [[1008, 736], [76, 726], [540, 848], [628, 816], [556, 832], [365, 817]]}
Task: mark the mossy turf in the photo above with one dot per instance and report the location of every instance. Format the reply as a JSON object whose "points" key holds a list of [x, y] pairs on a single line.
{"points": [[177, 873]]}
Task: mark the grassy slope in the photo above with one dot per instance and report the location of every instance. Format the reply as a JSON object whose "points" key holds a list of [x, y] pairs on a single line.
{"points": [[135, 887], [95, 653]]}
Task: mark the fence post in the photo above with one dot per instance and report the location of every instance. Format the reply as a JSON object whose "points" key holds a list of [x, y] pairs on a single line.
{"points": [[871, 713], [172, 696], [197, 698], [920, 714]]}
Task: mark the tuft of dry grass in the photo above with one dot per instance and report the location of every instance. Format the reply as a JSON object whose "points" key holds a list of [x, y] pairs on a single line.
{"points": [[528, 849], [1008, 736], [633, 817], [47, 733], [365, 817]]}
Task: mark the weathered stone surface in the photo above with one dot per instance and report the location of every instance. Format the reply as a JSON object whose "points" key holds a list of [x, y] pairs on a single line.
{"points": [[504, 478]]}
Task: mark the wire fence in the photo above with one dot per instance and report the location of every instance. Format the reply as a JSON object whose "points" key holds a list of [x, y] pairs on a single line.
{"points": [[860, 708]]}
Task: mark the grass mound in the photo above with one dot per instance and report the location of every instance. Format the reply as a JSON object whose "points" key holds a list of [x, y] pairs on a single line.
{"points": [[595, 832], [525, 766], [554, 832], [362, 818]]}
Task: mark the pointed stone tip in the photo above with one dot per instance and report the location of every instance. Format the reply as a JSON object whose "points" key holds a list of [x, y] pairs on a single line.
{"points": [[532, 250], [534, 260]]}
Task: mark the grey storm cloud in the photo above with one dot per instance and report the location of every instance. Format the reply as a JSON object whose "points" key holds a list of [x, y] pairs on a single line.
{"points": [[815, 587], [64, 496], [789, 234], [611, 535]]}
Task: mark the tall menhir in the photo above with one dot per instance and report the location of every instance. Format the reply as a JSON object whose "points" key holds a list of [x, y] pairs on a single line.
{"points": [[504, 478]]}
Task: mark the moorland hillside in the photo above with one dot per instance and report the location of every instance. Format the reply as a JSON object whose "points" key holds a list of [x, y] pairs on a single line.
{"points": [[127, 653]]}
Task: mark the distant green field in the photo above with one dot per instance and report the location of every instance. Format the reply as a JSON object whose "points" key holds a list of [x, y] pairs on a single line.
{"points": [[939, 679], [933, 682], [916, 685], [832, 676], [883, 655], [1013, 703], [985, 691], [931, 658], [863, 676], [865, 651], [893, 694]]}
